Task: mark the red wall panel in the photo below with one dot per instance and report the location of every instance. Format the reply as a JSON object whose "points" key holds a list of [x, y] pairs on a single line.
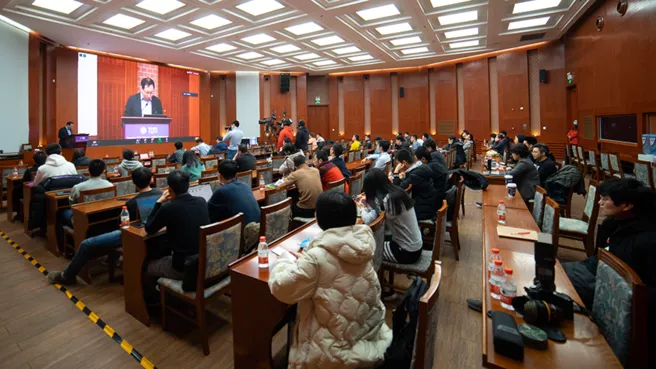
{"points": [[446, 97], [380, 100], [413, 107], [476, 86], [353, 95], [512, 72]]}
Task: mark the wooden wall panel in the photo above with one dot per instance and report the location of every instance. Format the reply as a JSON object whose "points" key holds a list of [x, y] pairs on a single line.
{"points": [[193, 103], [115, 85], [512, 71], [231, 97], [446, 98], [49, 134], [205, 123], [319, 119], [413, 107], [173, 83], [35, 79], [301, 97], [476, 87], [66, 87], [353, 94], [318, 86], [333, 110], [381, 106], [553, 106], [279, 101], [215, 106]]}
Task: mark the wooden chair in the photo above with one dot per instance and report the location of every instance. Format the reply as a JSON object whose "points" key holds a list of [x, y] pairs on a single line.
{"points": [[583, 165], [83, 171], [166, 168], [339, 185], [583, 229], [275, 219], [575, 156], [350, 157], [246, 177], [213, 182], [114, 160], [378, 229], [267, 173], [551, 221], [642, 172], [220, 245], [593, 164], [275, 195], [209, 173], [615, 165], [605, 165], [157, 162], [424, 349], [211, 163], [124, 185], [160, 180], [538, 204], [97, 194], [220, 156], [355, 183], [277, 161], [261, 164], [620, 309], [452, 226]]}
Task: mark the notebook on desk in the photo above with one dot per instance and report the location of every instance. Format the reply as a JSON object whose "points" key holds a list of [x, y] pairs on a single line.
{"points": [[517, 233]]}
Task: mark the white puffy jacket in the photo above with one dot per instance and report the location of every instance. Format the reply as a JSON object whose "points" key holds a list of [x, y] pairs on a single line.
{"points": [[56, 165], [340, 321]]}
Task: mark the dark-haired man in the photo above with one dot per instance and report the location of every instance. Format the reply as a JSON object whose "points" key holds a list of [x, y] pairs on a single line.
{"points": [[65, 132], [234, 139], [245, 160], [336, 151], [176, 157], [545, 165], [328, 171], [145, 102], [56, 165], [141, 178], [383, 158], [431, 146], [440, 173], [96, 169], [420, 176], [308, 183], [302, 136], [220, 146], [202, 148]]}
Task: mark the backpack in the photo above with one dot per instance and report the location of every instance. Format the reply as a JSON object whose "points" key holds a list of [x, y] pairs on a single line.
{"points": [[399, 353]]}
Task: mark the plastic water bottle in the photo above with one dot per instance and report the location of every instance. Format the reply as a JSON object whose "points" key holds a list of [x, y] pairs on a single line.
{"points": [[263, 253], [115, 169], [125, 218], [262, 182], [391, 176], [508, 290], [496, 279], [501, 212], [14, 172], [490, 262]]}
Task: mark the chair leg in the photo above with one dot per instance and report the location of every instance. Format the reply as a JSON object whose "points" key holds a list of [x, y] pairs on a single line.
{"points": [[455, 243], [462, 204], [85, 274], [588, 243], [200, 319], [162, 294]]}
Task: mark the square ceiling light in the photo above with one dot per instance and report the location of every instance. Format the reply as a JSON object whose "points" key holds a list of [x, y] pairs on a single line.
{"points": [[304, 28], [346, 50], [528, 23], [530, 6], [458, 17], [405, 41], [258, 39], [160, 6], [173, 34], [307, 56], [378, 12], [324, 63], [415, 50], [123, 21], [460, 45], [330, 40], [360, 58], [283, 49], [439, 3], [210, 22], [259, 7], [221, 48], [250, 55], [462, 33], [60, 6], [273, 62], [394, 28]]}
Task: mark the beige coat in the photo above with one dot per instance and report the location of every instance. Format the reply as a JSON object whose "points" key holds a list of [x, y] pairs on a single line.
{"points": [[340, 321]]}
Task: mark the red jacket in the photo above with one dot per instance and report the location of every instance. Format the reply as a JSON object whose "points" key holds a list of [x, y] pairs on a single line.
{"points": [[285, 132], [331, 173], [573, 136]]}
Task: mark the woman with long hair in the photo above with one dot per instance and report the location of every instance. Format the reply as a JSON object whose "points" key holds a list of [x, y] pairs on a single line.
{"points": [[192, 165]]}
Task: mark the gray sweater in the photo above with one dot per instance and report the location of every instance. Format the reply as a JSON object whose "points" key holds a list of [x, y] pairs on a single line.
{"points": [[403, 226], [526, 177]]}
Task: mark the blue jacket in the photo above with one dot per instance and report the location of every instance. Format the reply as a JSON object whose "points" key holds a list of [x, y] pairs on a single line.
{"points": [[220, 147], [339, 162], [232, 198]]}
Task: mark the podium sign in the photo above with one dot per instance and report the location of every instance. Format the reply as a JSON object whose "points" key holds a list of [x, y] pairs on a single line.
{"points": [[145, 127]]}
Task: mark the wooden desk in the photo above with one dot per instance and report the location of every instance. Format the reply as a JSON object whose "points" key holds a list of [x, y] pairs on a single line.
{"points": [[88, 214], [54, 203], [357, 163], [256, 314], [12, 185], [259, 195], [495, 178], [494, 193], [585, 347]]}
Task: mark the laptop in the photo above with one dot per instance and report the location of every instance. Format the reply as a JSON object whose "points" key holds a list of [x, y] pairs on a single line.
{"points": [[145, 156], [202, 190], [145, 206]]}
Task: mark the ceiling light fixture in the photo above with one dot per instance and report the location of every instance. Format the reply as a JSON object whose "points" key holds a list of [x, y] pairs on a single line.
{"points": [[173, 34], [460, 45], [258, 39], [305, 28], [324, 62], [346, 50], [330, 40], [250, 55], [462, 33], [406, 41], [360, 58], [211, 22], [273, 62], [458, 17], [439, 3], [160, 6], [530, 6], [394, 28], [123, 21], [221, 48], [415, 50], [259, 7], [378, 12], [528, 23], [283, 49], [60, 6], [307, 56]]}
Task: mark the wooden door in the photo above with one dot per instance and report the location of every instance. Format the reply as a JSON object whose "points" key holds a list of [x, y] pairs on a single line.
{"points": [[318, 120]]}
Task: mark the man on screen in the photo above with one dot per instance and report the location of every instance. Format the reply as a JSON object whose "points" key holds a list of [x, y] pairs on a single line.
{"points": [[144, 103]]}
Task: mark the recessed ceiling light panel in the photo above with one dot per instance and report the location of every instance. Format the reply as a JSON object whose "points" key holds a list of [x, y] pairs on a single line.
{"points": [[439, 3], [221, 48], [160, 6], [307, 56], [258, 39], [123, 21], [250, 55], [531, 6], [461, 33], [60, 6], [535, 22], [416, 50], [284, 49], [211, 22], [458, 17], [259, 7], [346, 50], [330, 40], [324, 63], [460, 45], [273, 62], [406, 41], [378, 12], [173, 34], [304, 28], [360, 58], [394, 28]]}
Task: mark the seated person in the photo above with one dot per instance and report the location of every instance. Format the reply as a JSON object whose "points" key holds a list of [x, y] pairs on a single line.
{"points": [[426, 137], [546, 166], [202, 148], [437, 156], [336, 151], [40, 158], [232, 198], [405, 244], [129, 163], [355, 145], [80, 159], [182, 214], [96, 169], [291, 152], [530, 141], [56, 165], [337, 260], [308, 184], [416, 142], [191, 165], [524, 173], [328, 171], [440, 174], [383, 157], [401, 143], [141, 178], [176, 157], [493, 139], [220, 146], [420, 176], [502, 144], [367, 145], [245, 160], [461, 157], [312, 141]]}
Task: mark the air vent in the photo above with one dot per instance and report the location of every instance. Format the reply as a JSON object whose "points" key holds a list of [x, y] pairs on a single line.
{"points": [[535, 36]]}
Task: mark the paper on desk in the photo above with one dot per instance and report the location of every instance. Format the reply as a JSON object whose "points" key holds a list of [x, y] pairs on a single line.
{"points": [[518, 233]]}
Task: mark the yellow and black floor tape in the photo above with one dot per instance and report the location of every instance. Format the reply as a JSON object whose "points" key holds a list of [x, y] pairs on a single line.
{"points": [[80, 305]]}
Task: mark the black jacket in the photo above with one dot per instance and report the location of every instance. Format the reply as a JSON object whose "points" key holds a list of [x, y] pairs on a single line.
{"points": [[545, 169], [62, 134], [82, 162], [302, 137], [133, 106], [559, 183], [245, 162], [420, 176], [182, 218], [437, 156], [440, 178], [461, 157], [37, 217], [339, 162], [526, 177], [501, 146]]}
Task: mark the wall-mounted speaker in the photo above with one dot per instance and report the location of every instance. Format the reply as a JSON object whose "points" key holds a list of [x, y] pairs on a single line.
{"points": [[401, 92], [340, 79], [266, 78], [543, 76], [366, 76], [284, 82]]}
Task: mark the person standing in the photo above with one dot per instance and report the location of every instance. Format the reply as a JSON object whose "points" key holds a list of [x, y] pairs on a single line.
{"points": [[65, 132], [573, 135], [302, 136], [234, 139], [285, 132]]}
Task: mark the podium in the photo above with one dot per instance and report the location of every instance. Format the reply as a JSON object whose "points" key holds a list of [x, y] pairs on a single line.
{"points": [[145, 127], [76, 141]]}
